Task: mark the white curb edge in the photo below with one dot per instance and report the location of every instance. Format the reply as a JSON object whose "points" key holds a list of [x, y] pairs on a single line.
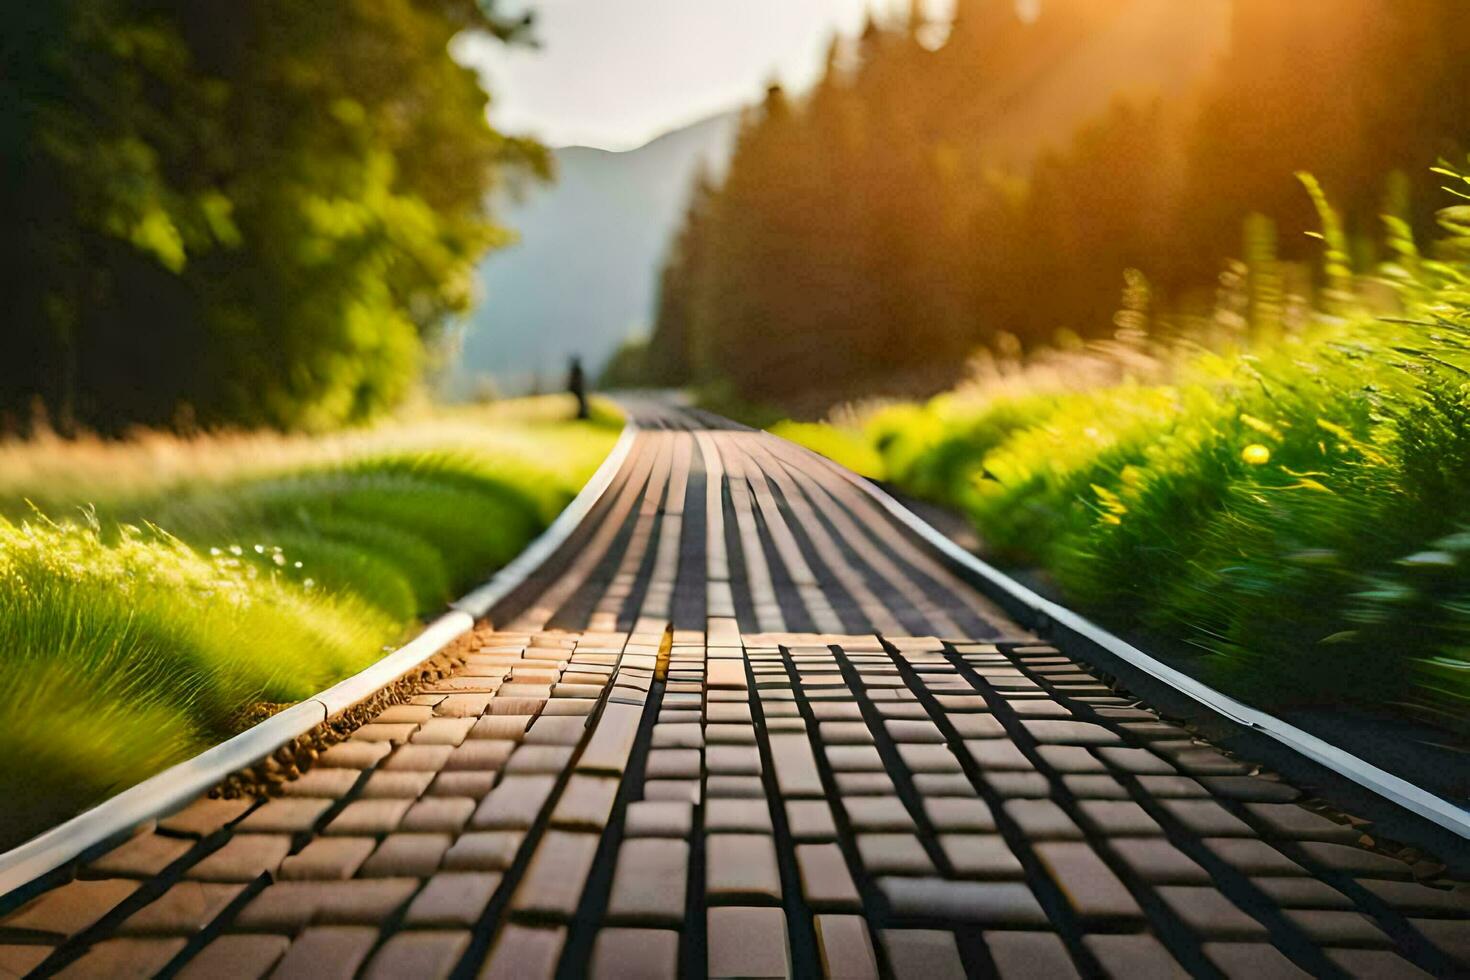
{"points": [[1395, 789], [174, 787]]}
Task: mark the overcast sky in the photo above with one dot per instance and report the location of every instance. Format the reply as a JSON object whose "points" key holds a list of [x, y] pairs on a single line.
{"points": [[616, 73]]}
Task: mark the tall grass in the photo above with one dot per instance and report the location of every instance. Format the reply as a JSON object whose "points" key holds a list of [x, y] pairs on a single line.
{"points": [[157, 591], [1289, 499]]}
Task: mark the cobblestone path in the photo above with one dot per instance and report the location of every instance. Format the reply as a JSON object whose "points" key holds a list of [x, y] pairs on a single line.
{"points": [[743, 725]]}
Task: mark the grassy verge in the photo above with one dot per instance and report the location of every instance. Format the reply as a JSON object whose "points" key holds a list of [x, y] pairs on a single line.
{"points": [[1288, 501], [157, 592]]}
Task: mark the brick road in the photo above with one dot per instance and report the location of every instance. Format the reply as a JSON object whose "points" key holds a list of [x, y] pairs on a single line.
{"points": [[742, 725]]}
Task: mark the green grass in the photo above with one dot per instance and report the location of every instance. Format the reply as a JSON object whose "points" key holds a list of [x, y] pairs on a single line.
{"points": [[1294, 509], [154, 592], [841, 446]]}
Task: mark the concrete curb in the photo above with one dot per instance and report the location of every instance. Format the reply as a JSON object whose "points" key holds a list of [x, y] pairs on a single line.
{"points": [[174, 787]]}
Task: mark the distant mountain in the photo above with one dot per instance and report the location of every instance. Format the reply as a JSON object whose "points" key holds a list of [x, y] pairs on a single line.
{"points": [[581, 279]]}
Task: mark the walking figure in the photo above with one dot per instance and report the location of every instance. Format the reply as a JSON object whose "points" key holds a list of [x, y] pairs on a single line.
{"points": [[577, 385]]}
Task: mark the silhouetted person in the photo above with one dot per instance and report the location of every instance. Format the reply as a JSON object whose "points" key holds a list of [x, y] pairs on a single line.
{"points": [[577, 385]]}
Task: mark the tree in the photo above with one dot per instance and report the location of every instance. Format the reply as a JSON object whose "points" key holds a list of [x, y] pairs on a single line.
{"points": [[1348, 90], [1099, 208], [667, 360], [262, 210], [900, 214]]}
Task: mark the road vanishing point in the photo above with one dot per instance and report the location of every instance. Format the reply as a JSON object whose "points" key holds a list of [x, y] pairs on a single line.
{"points": [[742, 722]]}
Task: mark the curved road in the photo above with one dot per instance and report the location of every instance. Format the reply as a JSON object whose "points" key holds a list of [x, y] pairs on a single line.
{"points": [[742, 724]]}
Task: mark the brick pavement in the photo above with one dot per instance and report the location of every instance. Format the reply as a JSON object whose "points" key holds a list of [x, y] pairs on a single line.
{"points": [[744, 726]]}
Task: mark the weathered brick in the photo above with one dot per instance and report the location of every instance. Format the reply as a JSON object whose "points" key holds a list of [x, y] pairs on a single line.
{"points": [[825, 880], [366, 818], [980, 856], [323, 782], [747, 942], [326, 953], [424, 955], [142, 856], [326, 858], [1091, 888], [649, 881], [986, 903], [245, 957], [244, 857], [845, 947], [443, 731], [291, 816], [659, 818], [438, 814], [205, 816], [406, 785], [492, 850], [1210, 914], [514, 803], [525, 953], [288, 906], [923, 954], [407, 856], [648, 954], [124, 958], [557, 874], [1019, 955], [453, 898], [1134, 956]]}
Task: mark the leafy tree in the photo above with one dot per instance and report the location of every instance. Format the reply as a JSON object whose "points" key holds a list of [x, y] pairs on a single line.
{"points": [[668, 357], [259, 212], [897, 216], [1091, 212]]}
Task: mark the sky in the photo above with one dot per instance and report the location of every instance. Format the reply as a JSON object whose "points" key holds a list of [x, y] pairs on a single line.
{"points": [[616, 73]]}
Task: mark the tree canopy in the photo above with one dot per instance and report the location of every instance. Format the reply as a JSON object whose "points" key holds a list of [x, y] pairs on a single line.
{"points": [[257, 212], [885, 224]]}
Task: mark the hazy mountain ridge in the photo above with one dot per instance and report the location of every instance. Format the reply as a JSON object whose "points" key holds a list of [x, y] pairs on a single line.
{"points": [[583, 277]]}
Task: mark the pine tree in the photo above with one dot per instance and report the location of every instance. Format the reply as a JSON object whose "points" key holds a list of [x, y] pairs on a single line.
{"points": [[882, 225], [669, 361]]}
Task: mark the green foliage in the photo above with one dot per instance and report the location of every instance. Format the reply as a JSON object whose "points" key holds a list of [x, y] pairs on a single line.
{"points": [[629, 366], [839, 445], [151, 625], [410, 531], [1293, 508], [260, 213], [1349, 90], [877, 231], [667, 359], [123, 657]]}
